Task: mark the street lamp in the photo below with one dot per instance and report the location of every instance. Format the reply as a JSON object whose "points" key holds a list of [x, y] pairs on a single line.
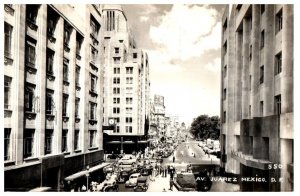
{"points": [[87, 177]]}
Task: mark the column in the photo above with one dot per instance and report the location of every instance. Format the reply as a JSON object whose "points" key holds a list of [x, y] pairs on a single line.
{"points": [[245, 68], [238, 76]]}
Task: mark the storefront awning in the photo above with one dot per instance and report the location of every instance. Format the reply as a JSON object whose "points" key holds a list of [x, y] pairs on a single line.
{"points": [[143, 142], [40, 189], [83, 173], [128, 142], [113, 142]]}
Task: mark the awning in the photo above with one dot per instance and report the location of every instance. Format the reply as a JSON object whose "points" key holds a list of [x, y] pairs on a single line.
{"points": [[143, 141], [113, 142], [128, 142], [83, 173], [40, 189]]}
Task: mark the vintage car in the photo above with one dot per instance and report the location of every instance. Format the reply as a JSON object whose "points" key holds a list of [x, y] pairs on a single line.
{"points": [[132, 181], [124, 174], [142, 184], [109, 184], [127, 160]]}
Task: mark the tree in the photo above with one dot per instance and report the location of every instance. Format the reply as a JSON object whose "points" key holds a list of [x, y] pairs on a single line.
{"points": [[204, 127]]}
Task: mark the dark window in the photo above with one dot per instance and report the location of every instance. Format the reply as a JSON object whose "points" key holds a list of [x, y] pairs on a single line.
{"points": [[225, 47], [116, 70], [117, 120], [116, 110], [128, 119], [118, 129], [262, 39], [65, 105], [128, 129], [278, 63], [28, 143], [31, 12], [79, 40], [93, 82], [116, 100], [116, 80], [117, 50], [51, 21], [29, 99], [225, 71], [7, 91], [65, 73], [64, 142], [278, 104], [94, 27], [249, 111], [94, 54], [278, 21], [262, 9], [7, 39], [128, 100], [250, 82], [224, 116], [67, 34], [129, 70], [238, 7], [49, 102], [77, 107], [134, 55], [93, 111], [224, 94], [48, 141], [77, 75], [92, 138], [250, 53], [30, 53], [261, 78], [116, 90], [117, 60], [76, 139], [50, 58], [261, 107], [7, 133]]}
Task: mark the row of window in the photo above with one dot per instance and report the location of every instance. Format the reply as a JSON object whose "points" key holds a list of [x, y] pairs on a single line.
{"points": [[116, 100], [277, 108], [30, 142]]}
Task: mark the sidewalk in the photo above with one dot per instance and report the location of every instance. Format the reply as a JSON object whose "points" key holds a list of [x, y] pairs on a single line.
{"points": [[160, 183]]}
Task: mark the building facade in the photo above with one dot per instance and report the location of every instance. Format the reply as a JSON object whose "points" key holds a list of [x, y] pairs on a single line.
{"points": [[53, 81], [126, 85], [257, 135]]}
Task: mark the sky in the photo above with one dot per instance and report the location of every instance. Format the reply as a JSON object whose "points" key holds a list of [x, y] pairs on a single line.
{"points": [[183, 42]]}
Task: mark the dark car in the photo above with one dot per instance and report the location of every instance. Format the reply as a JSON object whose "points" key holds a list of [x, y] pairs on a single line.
{"points": [[203, 181], [142, 184]]}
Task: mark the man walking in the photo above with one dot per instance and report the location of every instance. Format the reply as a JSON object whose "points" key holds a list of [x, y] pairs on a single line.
{"points": [[171, 184]]}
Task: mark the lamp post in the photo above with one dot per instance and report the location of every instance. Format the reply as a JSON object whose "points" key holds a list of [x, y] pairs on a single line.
{"points": [[87, 177]]}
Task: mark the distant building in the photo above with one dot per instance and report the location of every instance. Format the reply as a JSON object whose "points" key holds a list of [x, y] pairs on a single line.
{"points": [[126, 85], [257, 106], [52, 97]]}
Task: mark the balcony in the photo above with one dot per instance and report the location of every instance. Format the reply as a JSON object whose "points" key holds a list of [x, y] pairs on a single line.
{"points": [[7, 58], [30, 67], [49, 115], [249, 161], [31, 24], [30, 115], [66, 47], [93, 121], [94, 39], [7, 111], [93, 93], [65, 118], [93, 66], [50, 76], [9, 9]]}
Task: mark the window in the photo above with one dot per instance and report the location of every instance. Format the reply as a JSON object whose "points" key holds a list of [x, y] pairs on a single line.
{"points": [[93, 82], [278, 63], [129, 109], [7, 133], [129, 80], [134, 55], [76, 139], [128, 119], [117, 120], [117, 129], [64, 141], [94, 54], [48, 141], [116, 100], [117, 60], [278, 21], [262, 9], [7, 91], [224, 94], [65, 73], [261, 108], [94, 27], [31, 12], [29, 99], [225, 47], [116, 80], [129, 70], [262, 39], [116, 90], [225, 25], [51, 23], [261, 78], [250, 53], [65, 105], [250, 82], [225, 71], [92, 138], [224, 116], [77, 100], [117, 50], [93, 111], [116, 70], [128, 100], [67, 35], [278, 104], [50, 58], [116, 110], [28, 143], [249, 111], [49, 102], [7, 39], [79, 40], [128, 129], [77, 75], [30, 52]]}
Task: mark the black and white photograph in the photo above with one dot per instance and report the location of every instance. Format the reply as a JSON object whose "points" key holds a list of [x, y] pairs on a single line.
{"points": [[148, 97]]}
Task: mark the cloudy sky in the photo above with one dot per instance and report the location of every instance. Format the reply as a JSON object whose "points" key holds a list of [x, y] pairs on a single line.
{"points": [[183, 44]]}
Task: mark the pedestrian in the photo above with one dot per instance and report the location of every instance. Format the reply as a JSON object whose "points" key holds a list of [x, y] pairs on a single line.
{"points": [[173, 159], [171, 184]]}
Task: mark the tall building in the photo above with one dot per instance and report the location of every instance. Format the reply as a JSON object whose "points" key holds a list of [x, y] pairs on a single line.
{"points": [[53, 78], [257, 95], [126, 85]]}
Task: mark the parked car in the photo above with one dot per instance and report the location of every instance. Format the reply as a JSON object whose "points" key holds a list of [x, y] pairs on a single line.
{"points": [[203, 182], [132, 181], [142, 184], [108, 185], [127, 160]]}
